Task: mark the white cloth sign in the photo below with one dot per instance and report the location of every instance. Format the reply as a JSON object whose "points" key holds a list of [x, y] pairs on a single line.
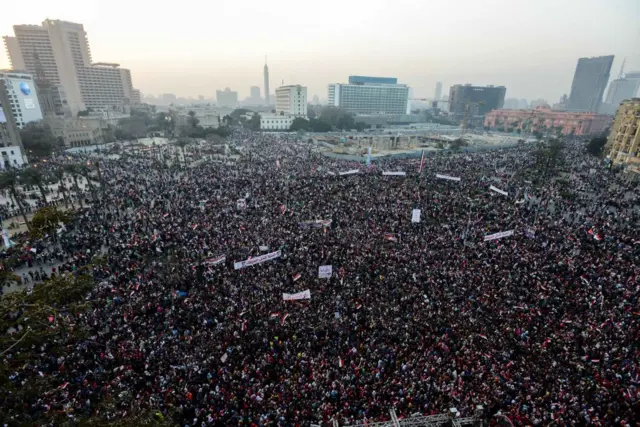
{"points": [[256, 260], [394, 173], [350, 172], [499, 235], [297, 296], [450, 178], [499, 191], [325, 272], [415, 215]]}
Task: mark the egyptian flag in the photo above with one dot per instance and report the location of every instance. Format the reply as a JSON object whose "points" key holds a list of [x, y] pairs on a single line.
{"points": [[244, 326], [274, 315], [390, 237], [283, 209], [284, 319], [340, 362], [297, 276]]}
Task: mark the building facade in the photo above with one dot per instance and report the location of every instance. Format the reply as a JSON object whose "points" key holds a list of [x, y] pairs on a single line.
{"points": [[80, 132], [370, 95], [438, 93], [291, 100], [474, 101], [226, 98], [23, 97], [58, 52], [589, 82], [545, 120], [275, 122], [11, 149], [623, 143], [620, 90]]}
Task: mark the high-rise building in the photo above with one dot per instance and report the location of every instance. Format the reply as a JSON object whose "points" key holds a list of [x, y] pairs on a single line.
{"points": [[266, 83], [539, 103], [169, 98], [291, 100], [11, 149], [473, 102], [23, 97], [226, 98], [623, 143], [438, 94], [510, 104], [254, 93], [61, 50], [370, 95], [621, 89], [589, 82]]}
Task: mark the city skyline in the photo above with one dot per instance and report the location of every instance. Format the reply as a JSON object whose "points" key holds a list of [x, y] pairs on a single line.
{"points": [[533, 54]]}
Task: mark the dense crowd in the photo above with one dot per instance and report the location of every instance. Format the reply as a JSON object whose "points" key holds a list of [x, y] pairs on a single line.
{"points": [[542, 326]]}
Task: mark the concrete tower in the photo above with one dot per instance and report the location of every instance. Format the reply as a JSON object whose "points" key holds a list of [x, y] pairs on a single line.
{"points": [[266, 81]]}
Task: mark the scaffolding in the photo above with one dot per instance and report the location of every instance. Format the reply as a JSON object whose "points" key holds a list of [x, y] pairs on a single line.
{"points": [[440, 420]]}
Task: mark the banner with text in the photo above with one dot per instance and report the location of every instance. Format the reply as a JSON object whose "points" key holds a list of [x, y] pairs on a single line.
{"points": [[500, 235], [319, 223], [325, 271], [499, 191], [256, 260], [450, 178], [350, 172], [297, 296], [398, 173], [415, 215]]}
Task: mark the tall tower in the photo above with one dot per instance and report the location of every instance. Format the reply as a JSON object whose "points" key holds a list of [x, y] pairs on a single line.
{"points": [[438, 94], [266, 81]]}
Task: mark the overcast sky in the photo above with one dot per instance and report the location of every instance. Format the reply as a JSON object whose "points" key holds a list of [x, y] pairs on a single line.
{"points": [[195, 47]]}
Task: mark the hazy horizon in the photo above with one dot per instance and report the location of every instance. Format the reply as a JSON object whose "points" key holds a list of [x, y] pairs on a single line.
{"points": [[198, 49]]}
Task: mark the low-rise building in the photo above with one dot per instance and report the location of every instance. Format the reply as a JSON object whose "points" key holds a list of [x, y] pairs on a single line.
{"points": [[275, 122], [547, 121], [291, 100], [623, 143], [80, 132]]}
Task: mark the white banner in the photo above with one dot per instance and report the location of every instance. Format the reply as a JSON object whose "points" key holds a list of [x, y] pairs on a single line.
{"points": [[350, 172], [394, 173], [298, 296], [325, 271], [450, 178], [499, 235], [256, 260], [415, 215], [499, 191]]}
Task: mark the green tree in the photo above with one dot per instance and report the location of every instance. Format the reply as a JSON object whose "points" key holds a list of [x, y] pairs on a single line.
{"points": [[311, 112], [254, 123], [9, 180], [58, 173], [34, 176], [38, 140], [596, 145], [46, 221], [299, 123], [319, 125]]}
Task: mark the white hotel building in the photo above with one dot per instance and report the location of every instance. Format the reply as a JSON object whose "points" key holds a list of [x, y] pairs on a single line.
{"points": [[291, 102], [370, 95]]}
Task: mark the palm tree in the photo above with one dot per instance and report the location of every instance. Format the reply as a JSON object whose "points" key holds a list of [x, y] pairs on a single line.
{"points": [[33, 176], [74, 172], [182, 143], [84, 171], [9, 181], [58, 173]]}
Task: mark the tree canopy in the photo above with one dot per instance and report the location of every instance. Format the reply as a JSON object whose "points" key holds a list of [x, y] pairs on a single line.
{"points": [[38, 140], [596, 145]]}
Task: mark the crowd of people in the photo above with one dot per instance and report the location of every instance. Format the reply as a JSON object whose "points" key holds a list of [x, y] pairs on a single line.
{"points": [[541, 326]]}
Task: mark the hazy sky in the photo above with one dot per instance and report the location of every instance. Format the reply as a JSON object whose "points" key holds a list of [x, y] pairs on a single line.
{"points": [[196, 47]]}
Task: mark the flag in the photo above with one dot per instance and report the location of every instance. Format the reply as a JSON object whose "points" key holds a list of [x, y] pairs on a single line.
{"points": [[278, 163], [297, 276], [421, 163], [194, 226], [390, 237], [244, 326], [340, 362], [284, 319], [597, 237], [283, 209], [165, 215], [482, 336], [274, 315]]}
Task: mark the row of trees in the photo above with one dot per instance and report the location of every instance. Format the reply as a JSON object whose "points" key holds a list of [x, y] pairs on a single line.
{"points": [[326, 120], [14, 181]]}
